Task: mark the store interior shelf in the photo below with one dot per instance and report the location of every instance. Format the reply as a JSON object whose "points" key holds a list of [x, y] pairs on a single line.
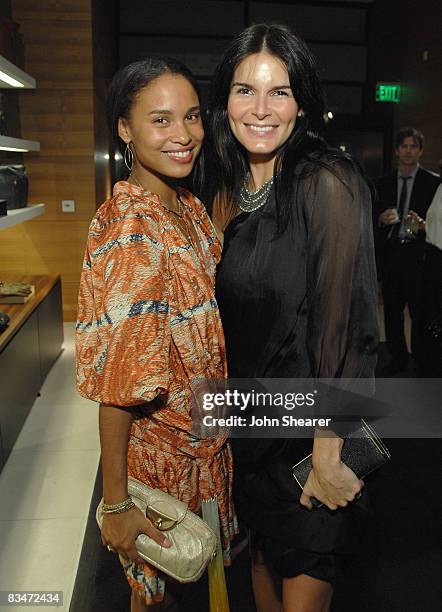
{"points": [[12, 77], [18, 144], [18, 215]]}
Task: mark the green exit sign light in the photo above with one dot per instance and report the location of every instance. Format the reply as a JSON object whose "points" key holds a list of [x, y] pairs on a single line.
{"points": [[388, 92]]}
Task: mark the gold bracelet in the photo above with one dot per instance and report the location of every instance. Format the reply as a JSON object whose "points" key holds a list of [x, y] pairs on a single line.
{"points": [[123, 506]]}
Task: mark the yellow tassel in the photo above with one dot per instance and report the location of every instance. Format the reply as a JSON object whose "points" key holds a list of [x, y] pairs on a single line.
{"points": [[219, 600]]}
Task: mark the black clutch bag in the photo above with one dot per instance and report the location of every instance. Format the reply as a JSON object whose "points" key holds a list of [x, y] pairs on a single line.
{"points": [[14, 186], [363, 452]]}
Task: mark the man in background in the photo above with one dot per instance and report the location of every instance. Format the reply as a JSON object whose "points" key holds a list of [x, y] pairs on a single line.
{"points": [[403, 200]]}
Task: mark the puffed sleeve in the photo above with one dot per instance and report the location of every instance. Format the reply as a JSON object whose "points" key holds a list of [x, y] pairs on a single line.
{"points": [[123, 334], [342, 331]]}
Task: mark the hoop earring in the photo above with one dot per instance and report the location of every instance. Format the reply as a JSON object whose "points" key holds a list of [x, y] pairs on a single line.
{"points": [[300, 113], [128, 157]]}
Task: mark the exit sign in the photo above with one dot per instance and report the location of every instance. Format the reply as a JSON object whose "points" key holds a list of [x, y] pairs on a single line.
{"points": [[388, 92]]}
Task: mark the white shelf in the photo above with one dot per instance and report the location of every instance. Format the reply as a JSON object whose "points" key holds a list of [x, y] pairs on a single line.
{"points": [[12, 77], [18, 144], [18, 215]]}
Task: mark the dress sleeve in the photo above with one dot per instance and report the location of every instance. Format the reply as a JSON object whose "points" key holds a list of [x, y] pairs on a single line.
{"points": [[342, 333], [123, 333]]}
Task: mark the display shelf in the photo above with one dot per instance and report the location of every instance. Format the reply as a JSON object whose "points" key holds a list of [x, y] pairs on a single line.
{"points": [[29, 347], [18, 145], [12, 77], [18, 215], [18, 313]]}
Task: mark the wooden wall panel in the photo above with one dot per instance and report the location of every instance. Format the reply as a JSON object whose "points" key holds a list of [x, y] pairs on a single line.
{"points": [[60, 10], [44, 247], [57, 36], [51, 244], [65, 178], [12, 251]]}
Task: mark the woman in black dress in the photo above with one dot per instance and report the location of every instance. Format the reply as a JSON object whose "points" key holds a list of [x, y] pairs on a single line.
{"points": [[296, 289]]}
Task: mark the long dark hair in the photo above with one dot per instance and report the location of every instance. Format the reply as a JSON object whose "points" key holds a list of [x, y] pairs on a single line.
{"points": [[228, 160], [130, 80]]}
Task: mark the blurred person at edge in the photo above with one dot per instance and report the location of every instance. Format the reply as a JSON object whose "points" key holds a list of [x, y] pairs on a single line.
{"points": [[297, 292], [150, 256], [403, 197], [432, 289]]}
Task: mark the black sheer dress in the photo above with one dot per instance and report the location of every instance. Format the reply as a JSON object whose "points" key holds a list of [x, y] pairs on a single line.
{"points": [[300, 305]]}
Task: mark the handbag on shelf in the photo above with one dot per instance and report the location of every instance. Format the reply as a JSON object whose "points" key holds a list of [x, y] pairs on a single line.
{"points": [[4, 321], [363, 452], [14, 186], [194, 543]]}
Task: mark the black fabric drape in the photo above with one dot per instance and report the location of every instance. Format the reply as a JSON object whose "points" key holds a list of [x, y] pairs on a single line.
{"points": [[302, 304]]}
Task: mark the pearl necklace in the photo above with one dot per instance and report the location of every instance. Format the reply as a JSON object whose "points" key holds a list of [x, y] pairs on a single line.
{"points": [[252, 200]]}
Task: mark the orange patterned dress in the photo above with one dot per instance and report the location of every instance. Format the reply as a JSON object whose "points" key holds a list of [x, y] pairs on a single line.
{"points": [[148, 325]]}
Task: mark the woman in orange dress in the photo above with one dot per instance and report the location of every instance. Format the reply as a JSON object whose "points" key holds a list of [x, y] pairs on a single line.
{"points": [[148, 323]]}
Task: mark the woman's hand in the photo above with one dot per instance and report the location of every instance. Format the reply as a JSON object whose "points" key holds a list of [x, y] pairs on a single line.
{"points": [[119, 531], [330, 481]]}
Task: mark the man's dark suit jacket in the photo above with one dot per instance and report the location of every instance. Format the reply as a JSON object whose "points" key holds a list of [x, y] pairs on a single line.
{"points": [[424, 188]]}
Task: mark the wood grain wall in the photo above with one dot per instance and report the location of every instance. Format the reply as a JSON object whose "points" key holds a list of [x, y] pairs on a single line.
{"points": [[57, 36]]}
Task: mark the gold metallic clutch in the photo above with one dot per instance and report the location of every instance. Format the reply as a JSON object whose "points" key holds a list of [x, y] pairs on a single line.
{"points": [[194, 543]]}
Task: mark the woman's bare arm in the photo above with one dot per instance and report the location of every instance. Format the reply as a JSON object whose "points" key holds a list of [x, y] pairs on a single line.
{"points": [[115, 424], [120, 530]]}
